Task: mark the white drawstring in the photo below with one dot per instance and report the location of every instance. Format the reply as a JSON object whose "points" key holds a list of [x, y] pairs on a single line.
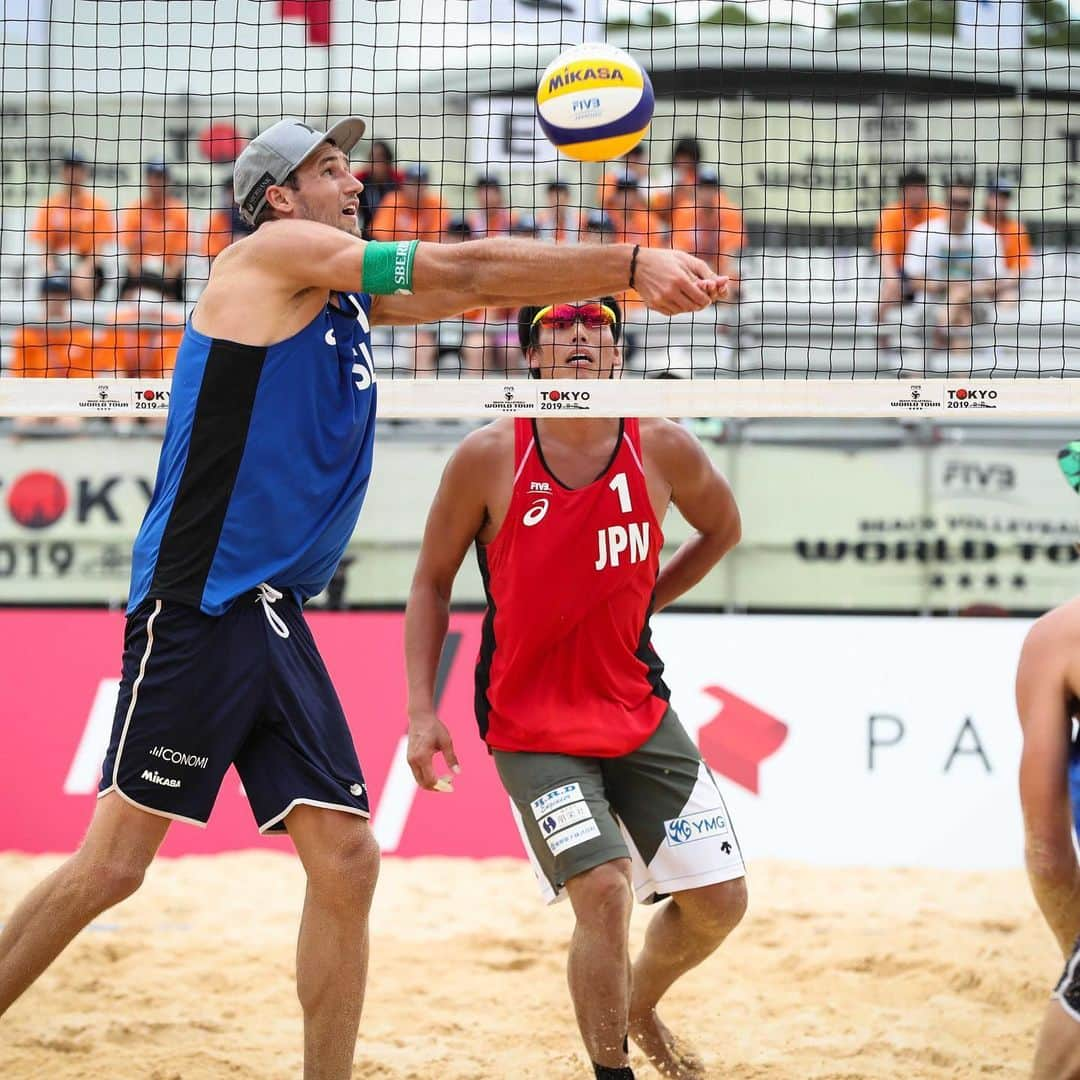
{"points": [[269, 595]]}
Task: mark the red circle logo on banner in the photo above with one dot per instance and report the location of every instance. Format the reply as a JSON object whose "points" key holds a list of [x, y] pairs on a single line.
{"points": [[37, 499]]}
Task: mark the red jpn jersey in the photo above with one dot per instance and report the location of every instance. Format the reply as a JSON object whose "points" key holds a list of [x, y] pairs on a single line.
{"points": [[566, 662]]}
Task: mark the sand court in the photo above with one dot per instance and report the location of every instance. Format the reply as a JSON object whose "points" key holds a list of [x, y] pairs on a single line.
{"points": [[835, 974]]}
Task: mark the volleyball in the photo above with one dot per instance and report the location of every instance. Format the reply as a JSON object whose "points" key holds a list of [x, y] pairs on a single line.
{"points": [[594, 102]]}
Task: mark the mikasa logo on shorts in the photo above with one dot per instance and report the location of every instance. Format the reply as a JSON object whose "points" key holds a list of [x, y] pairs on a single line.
{"points": [[174, 757], [155, 778], [685, 830]]}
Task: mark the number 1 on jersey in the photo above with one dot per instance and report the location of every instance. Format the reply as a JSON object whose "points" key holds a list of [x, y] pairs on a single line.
{"points": [[622, 489]]}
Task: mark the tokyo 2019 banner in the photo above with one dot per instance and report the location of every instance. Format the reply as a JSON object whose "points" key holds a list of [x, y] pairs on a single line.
{"points": [[859, 741]]}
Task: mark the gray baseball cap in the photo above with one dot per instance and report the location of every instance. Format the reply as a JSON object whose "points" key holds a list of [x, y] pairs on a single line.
{"points": [[269, 158]]}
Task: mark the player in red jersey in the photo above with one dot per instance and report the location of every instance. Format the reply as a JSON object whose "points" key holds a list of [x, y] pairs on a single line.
{"points": [[610, 793]]}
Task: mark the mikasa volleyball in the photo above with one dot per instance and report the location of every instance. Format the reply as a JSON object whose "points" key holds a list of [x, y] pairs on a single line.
{"points": [[594, 102]]}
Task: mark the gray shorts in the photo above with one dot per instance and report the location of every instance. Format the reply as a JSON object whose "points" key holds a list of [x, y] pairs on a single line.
{"points": [[658, 806]]}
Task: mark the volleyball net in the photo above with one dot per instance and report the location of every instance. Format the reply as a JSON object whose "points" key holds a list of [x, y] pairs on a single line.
{"points": [[892, 197]]}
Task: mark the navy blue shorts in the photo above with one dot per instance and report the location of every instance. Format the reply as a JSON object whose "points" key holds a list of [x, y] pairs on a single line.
{"points": [[202, 692]]}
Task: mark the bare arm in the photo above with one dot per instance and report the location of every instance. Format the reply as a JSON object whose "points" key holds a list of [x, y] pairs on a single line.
{"points": [[1044, 794], [705, 501], [456, 517], [507, 273], [292, 264]]}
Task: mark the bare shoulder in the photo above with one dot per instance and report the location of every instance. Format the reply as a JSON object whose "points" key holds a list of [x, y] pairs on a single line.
{"points": [[1056, 631], [244, 256], [669, 444], [486, 448]]}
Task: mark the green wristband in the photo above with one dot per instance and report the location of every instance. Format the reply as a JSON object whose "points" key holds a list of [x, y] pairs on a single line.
{"points": [[388, 267]]}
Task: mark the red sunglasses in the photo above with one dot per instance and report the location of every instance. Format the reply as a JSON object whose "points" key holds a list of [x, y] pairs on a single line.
{"points": [[563, 316]]}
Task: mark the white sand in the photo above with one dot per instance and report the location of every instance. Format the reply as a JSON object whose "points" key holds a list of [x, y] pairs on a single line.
{"points": [[834, 973]]}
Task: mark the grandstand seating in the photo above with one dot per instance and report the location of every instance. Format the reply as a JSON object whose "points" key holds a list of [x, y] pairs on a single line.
{"points": [[803, 313]]}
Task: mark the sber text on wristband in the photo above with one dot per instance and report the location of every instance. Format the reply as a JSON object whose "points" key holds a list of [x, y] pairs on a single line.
{"points": [[388, 267]]}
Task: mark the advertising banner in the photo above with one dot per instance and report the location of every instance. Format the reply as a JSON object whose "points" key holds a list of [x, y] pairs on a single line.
{"points": [[861, 741], [904, 528]]}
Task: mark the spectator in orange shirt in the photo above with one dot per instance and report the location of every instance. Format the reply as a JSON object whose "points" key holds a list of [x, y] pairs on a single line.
{"points": [[599, 228], [630, 212], [154, 235], [380, 178], [635, 163], [1014, 240], [897, 222], [492, 216], [55, 347], [73, 227], [142, 338], [558, 222], [711, 228], [226, 223], [473, 346], [681, 187], [414, 212]]}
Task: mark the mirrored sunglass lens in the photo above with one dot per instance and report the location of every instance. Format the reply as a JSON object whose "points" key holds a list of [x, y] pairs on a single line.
{"points": [[564, 316]]}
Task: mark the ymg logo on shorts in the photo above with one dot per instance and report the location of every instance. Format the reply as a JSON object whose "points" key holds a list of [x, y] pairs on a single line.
{"points": [[685, 830]]}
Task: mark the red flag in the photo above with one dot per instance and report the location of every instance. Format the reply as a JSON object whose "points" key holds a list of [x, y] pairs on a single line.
{"points": [[316, 13]]}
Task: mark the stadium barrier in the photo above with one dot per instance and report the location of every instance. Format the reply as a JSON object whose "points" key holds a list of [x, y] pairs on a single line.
{"points": [[837, 741]]}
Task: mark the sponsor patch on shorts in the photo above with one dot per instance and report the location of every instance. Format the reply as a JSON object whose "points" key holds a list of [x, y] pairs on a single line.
{"points": [[568, 815], [555, 798], [576, 834], [685, 830]]}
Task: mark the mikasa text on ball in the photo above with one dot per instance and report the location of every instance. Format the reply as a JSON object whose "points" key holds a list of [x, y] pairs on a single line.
{"points": [[595, 102]]}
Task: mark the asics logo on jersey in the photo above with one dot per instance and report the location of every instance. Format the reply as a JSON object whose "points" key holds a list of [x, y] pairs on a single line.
{"points": [[330, 339], [535, 514], [616, 540]]}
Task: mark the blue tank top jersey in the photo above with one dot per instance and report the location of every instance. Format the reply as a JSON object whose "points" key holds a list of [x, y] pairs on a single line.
{"points": [[1074, 773], [264, 466]]}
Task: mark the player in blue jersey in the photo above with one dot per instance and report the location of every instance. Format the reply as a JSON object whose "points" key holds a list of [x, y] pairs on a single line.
{"points": [[1048, 702], [263, 471]]}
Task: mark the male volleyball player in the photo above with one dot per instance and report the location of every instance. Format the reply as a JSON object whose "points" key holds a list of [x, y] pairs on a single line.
{"points": [[1047, 693], [609, 791], [264, 467]]}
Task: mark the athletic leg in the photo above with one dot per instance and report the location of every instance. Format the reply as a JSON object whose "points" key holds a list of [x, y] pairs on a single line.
{"points": [[598, 969], [682, 846], [341, 859], [687, 929], [108, 867], [1057, 1053]]}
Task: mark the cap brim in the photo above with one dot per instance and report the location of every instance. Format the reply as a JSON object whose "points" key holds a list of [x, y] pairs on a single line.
{"points": [[347, 133]]}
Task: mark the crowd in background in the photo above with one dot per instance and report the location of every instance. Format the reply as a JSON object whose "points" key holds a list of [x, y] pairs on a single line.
{"points": [[957, 257]]}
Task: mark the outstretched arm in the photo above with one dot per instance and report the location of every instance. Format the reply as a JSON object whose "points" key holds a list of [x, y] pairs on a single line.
{"points": [[705, 501], [455, 518], [1044, 789], [484, 272]]}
